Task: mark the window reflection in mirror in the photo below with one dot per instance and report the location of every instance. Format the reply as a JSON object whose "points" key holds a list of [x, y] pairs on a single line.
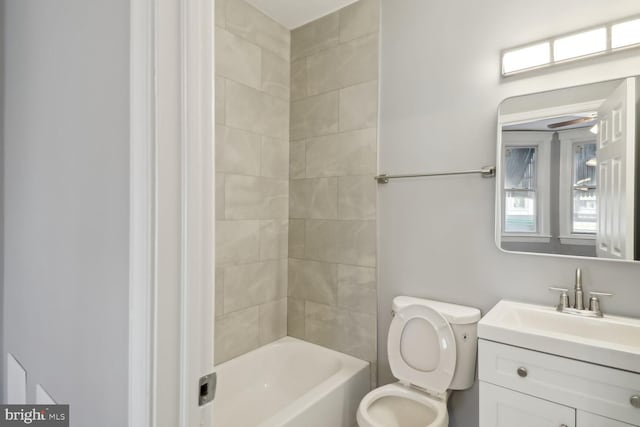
{"points": [[567, 171]]}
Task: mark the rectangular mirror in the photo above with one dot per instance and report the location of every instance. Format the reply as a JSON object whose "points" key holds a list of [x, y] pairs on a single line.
{"points": [[566, 177]]}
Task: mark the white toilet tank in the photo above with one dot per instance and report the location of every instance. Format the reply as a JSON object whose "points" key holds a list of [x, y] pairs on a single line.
{"points": [[464, 323]]}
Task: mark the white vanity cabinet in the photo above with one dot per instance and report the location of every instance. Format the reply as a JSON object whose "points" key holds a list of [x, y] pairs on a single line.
{"points": [[502, 407], [525, 388], [585, 419]]}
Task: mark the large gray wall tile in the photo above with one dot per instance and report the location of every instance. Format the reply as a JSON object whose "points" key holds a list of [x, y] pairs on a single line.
{"points": [[357, 288], [359, 106], [295, 317], [219, 306], [274, 239], [344, 65], [344, 242], [236, 333], [314, 116], [256, 111], [276, 75], [248, 285], [346, 331], [248, 22], [352, 153], [359, 19], [275, 158], [220, 12], [273, 321], [316, 35], [314, 198], [237, 241], [219, 196], [299, 79], [248, 197], [237, 59], [237, 151], [220, 101], [357, 197], [297, 159], [314, 281], [296, 238]]}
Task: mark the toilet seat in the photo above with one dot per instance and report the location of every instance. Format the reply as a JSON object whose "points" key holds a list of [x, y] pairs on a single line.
{"points": [[428, 411], [406, 357]]}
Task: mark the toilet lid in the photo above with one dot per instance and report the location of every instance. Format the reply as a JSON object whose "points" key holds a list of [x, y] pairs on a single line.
{"points": [[421, 348]]}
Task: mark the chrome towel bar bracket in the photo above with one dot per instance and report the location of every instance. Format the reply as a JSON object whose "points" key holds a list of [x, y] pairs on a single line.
{"points": [[486, 172]]}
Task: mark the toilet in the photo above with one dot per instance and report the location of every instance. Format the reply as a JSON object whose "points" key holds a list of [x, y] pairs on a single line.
{"points": [[432, 349]]}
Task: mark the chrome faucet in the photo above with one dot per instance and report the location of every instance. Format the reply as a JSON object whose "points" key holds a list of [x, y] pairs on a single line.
{"points": [[564, 305], [577, 290]]}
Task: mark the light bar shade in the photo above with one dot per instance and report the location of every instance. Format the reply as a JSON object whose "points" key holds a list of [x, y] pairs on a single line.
{"points": [[603, 40], [581, 44], [625, 34], [526, 57]]}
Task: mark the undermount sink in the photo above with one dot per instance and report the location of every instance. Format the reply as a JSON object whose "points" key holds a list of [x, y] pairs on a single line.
{"points": [[610, 340]]}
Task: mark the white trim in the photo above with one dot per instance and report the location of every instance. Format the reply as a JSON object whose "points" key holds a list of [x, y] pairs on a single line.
{"points": [[545, 113], [568, 140], [525, 238], [171, 144], [577, 240], [141, 220], [540, 140], [197, 254]]}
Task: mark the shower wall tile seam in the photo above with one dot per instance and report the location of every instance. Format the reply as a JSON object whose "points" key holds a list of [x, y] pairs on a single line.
{"points": [[324, 135], [338, 89], [264, 17], [333, 46], [256, 88]]}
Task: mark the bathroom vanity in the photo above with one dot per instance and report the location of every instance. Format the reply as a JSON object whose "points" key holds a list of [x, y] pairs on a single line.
{"points": [[542, 368]]}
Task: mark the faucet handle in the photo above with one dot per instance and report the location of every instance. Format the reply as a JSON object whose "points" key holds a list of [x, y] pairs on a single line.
{"points": [[601, 294], [594, 301], [564, 298]]}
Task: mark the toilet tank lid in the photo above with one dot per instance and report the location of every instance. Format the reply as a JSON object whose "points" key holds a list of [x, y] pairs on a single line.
{"points": [[455, 314]]}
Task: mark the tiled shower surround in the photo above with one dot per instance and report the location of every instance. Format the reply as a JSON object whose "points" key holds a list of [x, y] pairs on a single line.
{"points": [[296, 142], [332, 205], [252, 178]]}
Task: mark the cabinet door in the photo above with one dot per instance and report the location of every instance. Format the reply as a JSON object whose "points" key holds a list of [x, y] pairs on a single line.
{"points": [[501, 407], [586, 419]]}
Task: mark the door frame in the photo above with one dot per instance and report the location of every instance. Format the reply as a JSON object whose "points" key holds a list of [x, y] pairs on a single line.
{"points": [[171, 281]]}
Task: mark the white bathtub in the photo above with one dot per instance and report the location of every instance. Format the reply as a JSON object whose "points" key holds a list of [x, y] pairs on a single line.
{"points": [[290, 383]]}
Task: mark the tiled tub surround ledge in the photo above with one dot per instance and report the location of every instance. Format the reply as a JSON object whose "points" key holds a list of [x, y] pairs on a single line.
{"points": [[290, 383]]}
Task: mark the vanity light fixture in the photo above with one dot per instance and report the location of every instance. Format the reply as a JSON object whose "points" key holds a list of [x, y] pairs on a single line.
{"points": [[625, 34], [580, 44], [599, 40]]}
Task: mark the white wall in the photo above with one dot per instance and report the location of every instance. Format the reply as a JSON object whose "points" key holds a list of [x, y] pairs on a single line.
{"points": [[66, 201], [440, 92]]}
